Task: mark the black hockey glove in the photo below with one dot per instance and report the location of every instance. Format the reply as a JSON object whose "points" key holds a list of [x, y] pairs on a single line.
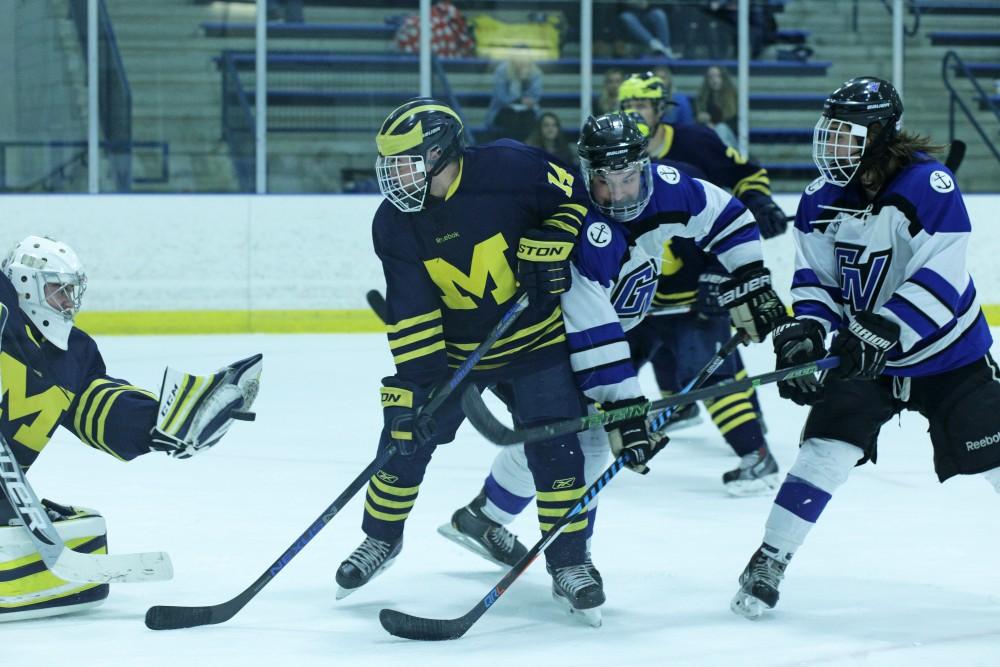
{"points": [[753, 304], [400, 401], [862, 346], [706, 304], [543, 263], [799, 342], [633, 436], [771, 220]]}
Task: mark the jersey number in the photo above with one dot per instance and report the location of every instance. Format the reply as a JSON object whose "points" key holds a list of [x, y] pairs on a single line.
{"points": [[488, 261], [47, 407], [561, 178]]}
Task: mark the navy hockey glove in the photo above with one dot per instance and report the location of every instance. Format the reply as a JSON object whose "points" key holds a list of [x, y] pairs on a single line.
{"points": [[799, 342], [706, 305], [543, 263], [400, 401], [771, 220], [753, 304], [633, 436], [862, 346]]}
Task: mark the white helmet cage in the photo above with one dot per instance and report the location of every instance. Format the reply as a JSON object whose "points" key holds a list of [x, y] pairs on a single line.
{"points": [[50, 282], [403, 180], [837, 149]]}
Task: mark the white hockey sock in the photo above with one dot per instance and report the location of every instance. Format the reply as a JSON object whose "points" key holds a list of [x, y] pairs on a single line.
{"points": [[820, 468]]}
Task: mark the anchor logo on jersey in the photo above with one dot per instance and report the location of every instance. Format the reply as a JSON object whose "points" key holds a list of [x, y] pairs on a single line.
{"points": [[634, 292], [860, 282]]}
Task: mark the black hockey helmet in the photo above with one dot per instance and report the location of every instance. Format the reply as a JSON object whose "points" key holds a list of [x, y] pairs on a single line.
{"points": [[841, 138], [613, 158], [405, 142]]}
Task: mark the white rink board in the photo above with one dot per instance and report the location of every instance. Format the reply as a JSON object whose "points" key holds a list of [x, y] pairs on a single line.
{"points": [[276, 252]]}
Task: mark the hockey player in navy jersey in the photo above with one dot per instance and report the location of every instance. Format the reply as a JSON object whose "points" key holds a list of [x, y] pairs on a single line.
{"points": [[459, 230], [52, 374], [881, 241], [635, 210]]}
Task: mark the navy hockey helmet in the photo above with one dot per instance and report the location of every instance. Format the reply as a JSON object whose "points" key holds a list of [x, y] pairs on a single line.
{"points": [[615, 166], [416, 141], [842, 139]]}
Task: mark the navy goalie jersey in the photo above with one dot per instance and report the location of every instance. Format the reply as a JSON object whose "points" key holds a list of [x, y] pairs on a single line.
{"points": [[45, 387], [902, 256]]}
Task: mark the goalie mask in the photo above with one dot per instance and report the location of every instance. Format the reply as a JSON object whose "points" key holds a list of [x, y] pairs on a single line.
{"points": [[416, 141], [844, 139], [615, 166], [50, 282]]}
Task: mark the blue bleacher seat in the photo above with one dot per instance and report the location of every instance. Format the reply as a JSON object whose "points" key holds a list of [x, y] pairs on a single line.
{"points": [[990, 70], [281, 30], [954, 7], [942, 38]]}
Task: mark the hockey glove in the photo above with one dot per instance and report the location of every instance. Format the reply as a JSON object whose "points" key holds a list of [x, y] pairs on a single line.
{"points": [[862, 346], [196, 410], [799, 342], [706, 305], [543, 263], [633, 436], [753, 304], [771, 220], [401, 400]]}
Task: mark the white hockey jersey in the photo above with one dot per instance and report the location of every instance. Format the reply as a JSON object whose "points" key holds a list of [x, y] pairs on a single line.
{"points": [[617, 266], [901, 256]]}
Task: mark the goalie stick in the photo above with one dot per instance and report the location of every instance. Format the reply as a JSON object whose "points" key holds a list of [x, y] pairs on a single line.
{"points": [[58, 558], [419, 628], [496, 432], [167, 617]]}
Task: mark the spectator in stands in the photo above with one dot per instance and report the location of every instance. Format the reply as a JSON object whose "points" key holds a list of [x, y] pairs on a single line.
{"points": [[292, 10], [450, 36], [548, 136], [517, 92], [679, 109], [716, 104], [647, 25], [608, 101], [718, 27]]}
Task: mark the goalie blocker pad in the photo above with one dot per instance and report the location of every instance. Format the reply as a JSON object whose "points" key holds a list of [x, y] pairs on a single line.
{"points": [[28, 589]]}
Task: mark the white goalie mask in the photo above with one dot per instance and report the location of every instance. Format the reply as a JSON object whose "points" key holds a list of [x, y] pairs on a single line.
{"points": [[837, 149], [50, 282]]}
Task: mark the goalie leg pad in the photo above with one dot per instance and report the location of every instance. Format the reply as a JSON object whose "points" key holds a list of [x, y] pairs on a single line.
{"points": [[29, 590]]}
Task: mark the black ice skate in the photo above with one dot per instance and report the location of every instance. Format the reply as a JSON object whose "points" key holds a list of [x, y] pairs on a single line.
{"points": [[575, 587], [472, 529], [759, 584], [369, 560], [757, 473], [685, 416]]}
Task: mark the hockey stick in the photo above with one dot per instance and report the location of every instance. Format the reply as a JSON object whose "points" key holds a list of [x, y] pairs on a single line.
{"points": [[956, 153], [377, 303], [493, 430], [429, 629], [62, 561], [165, 617]]}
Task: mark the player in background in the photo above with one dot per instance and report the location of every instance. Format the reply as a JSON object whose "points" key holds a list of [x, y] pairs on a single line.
{"points": [[52, 374], [674, 344], [634, 211], [461, 228], [881, 240]]}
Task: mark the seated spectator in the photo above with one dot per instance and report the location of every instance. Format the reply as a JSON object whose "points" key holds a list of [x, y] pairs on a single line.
{"points": [[450, 36], [608, 101], [548, 136], [679, 110], [647, 25], [717, 104], [718, 28], [517, 92]]}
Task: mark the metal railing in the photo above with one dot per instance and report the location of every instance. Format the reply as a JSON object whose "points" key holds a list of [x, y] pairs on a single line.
{"points": [[56, 178], [238, 125], [114, 93], [950, 62]]}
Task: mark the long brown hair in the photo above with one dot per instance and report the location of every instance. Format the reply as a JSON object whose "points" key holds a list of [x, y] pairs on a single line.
{"points": [[903, 149], [724, 100]]}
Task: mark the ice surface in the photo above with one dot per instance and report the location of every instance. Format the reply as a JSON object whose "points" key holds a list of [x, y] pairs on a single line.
{"points": [[899, 570]]}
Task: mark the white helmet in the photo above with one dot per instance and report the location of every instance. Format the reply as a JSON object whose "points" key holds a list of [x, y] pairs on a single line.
{"points": [[50, 282]]}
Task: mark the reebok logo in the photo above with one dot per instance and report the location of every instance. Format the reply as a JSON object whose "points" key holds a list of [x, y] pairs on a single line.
{"points": [[563, 483], [386, 477], [973, 445], [447, 237]]}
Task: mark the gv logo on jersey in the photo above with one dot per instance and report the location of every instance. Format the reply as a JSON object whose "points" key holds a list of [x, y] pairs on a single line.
{"points": [[634, 291], [860, 282]]}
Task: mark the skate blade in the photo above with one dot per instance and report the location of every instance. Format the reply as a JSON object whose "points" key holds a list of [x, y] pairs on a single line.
{"points": [[344, 592], [747, 606], [752, 487], [590, 617], [449, 532]]}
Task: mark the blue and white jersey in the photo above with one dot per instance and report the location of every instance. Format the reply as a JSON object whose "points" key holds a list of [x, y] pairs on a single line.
{"points": [[617, 266], [903, 257]]}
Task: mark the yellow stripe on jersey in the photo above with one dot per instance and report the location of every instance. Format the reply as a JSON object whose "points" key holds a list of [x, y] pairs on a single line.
{"points": [[384, 516], [555, 316], [398, 491], [394, 504], [414, 337], [755, 181], [739, 421], [419, 352], [531, 345], [414, 321], [489, 367]]}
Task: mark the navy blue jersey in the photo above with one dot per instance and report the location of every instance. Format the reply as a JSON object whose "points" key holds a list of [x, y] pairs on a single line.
{"points": [[449, 269], [683, 264], [902, 256], [45, 387]]}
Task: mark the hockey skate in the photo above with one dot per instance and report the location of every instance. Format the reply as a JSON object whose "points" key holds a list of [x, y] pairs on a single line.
{"points": [[576, 588], [757, 473], [684, 417], [759, 584], [472, 529], [368, 561]]}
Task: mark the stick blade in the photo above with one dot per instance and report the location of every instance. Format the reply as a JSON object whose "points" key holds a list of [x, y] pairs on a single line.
{"points": [[377, 303], [113, 568], [484, 421], [165, 617], [405, 626]]}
